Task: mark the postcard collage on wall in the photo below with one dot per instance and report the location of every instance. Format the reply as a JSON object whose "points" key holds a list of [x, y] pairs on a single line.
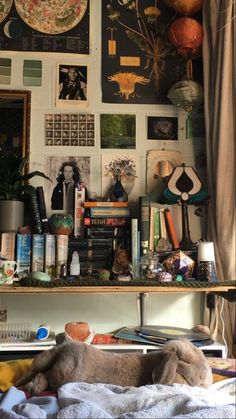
{"points": [[130, 75]]}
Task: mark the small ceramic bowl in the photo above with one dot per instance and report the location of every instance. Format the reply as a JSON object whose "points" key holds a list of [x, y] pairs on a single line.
{"points": [[78, 332]]}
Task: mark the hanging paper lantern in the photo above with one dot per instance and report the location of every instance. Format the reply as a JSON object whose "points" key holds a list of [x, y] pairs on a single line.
{"points": [[186, 34], [187, 94], [186, 7]]}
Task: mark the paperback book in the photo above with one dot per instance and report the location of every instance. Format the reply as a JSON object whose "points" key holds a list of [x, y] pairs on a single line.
{"points": [[104, 212], [37, 257], [23, 253], [90, 204], [7, 245]]}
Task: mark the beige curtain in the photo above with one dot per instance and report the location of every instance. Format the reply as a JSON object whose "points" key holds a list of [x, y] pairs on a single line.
{"points": [[219, 66]]}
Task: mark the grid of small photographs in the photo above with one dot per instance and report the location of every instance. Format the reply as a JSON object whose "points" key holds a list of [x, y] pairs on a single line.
{"points": [[70, 129]]}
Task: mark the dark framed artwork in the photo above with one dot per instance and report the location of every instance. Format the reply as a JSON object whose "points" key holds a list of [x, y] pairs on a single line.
{"points": [[118, 131], [47, 26], [71, 84], [162, 128]]}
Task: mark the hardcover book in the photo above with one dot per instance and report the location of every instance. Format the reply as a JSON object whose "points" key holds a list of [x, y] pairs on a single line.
{"points": [[77, 243], [23, 253], [90, 204], [7, 245], [144, 226], [171, 230], [226, 367], [104, 212], [37, 257], [37, 227], [105, 231], [134, 245], [42, 209], [110, 221], [79, 210]]}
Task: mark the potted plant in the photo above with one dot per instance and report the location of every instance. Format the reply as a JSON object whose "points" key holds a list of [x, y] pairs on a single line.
{"points": [[13, 188]]}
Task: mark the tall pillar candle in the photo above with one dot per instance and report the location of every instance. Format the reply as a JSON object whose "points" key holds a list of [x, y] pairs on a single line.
{"points": [[206, 252]]}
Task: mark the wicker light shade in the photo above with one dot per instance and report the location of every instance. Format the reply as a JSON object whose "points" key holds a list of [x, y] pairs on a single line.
{"points": [[186, 7], [187, 94], [186, 34]]}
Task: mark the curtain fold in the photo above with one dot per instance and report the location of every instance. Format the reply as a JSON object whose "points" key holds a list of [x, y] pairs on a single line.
{"points": [[219, 68]]}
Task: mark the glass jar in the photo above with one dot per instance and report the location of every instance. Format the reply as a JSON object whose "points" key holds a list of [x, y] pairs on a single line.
{"points": [[150, 266]]}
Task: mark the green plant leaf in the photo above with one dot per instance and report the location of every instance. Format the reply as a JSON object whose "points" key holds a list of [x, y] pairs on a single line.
{"points": [[137, 39]]}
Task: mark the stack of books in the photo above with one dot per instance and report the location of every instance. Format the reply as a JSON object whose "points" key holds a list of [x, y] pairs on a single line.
{"points": [[106, 219], [157, 228], [96, 253]]}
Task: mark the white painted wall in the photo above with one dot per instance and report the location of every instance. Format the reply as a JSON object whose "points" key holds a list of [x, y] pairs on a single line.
{"points": [[109, 312]]}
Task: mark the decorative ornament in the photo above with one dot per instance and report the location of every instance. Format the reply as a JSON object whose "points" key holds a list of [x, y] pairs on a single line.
{"points": [[118, 193], [186, 93], [186, 34], [60, 223], [186, 7]]}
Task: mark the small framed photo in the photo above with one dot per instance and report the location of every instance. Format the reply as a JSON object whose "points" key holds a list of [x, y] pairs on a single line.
{"points": [[162, 128], [71, 84]]}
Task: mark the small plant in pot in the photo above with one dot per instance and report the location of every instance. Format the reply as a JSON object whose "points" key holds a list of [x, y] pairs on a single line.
{"points": [[13, 188]]}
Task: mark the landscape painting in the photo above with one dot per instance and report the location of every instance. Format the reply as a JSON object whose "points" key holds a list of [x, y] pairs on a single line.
{"points": [[118, 131]]}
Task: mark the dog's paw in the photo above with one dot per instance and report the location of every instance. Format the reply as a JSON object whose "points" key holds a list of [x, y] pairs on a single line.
{"points": [[37, 385]]}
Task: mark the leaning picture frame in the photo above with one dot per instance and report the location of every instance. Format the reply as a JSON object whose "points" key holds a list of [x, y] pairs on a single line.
{"points": [[71, 85]]}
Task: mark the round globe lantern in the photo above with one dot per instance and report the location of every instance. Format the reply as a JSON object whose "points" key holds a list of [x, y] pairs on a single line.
{"points": [[185, 7], [186, 34]]}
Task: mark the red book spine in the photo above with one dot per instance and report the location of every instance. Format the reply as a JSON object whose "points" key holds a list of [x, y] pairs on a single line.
{"points": [[171, 229]]}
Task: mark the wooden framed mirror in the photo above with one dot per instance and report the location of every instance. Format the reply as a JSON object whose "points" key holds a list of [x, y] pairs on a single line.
{"points": [[15, 109]]}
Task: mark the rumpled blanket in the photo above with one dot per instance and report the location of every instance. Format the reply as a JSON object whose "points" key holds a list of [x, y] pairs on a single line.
{"points": [[90, 401]]}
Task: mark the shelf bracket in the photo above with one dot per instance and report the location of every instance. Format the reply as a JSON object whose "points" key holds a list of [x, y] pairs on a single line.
{"points": [[142, 308]]}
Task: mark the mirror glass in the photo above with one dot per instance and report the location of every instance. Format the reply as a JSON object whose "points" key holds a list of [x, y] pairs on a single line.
{"points": [[15, 121]]}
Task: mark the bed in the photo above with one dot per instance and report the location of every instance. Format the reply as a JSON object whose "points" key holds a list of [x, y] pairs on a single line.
{"points": [[83, 400]]}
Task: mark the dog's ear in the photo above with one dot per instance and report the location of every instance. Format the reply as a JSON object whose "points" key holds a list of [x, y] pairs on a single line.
{"points": [[165, 371]]}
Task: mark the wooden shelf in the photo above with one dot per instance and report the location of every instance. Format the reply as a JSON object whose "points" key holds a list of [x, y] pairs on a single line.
{"points": [[110, 289]]}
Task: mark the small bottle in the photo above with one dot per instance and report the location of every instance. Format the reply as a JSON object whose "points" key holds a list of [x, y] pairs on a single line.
{"points": [[75, 265], [43, 332]]}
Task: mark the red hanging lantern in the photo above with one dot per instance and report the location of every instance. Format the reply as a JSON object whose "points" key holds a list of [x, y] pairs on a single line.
{"points": [[186, 34], [185, 7]]}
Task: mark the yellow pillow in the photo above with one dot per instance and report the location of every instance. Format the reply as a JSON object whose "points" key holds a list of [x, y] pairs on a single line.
{"points": [[10, 371]]}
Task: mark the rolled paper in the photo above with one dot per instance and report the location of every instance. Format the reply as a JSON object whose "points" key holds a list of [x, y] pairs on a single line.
{"points": [[206, 252]]}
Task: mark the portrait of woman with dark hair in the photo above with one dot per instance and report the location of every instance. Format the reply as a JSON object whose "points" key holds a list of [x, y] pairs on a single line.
{"points": [[63, 193]]}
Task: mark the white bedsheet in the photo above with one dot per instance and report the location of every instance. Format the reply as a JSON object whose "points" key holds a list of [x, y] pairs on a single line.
{"points": [[85, 401], [82, 400]]}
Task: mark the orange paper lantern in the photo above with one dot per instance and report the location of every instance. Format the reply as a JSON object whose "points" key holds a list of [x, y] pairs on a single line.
{"points": [[186, 7], [186, 34]]}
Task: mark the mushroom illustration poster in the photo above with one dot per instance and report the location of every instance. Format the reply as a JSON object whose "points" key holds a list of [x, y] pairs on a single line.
{"points": [[128, 168], [48, 26]]}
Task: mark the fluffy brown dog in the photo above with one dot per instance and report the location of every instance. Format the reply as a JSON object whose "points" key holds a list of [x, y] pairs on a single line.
{"points": [[178, 362]]}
